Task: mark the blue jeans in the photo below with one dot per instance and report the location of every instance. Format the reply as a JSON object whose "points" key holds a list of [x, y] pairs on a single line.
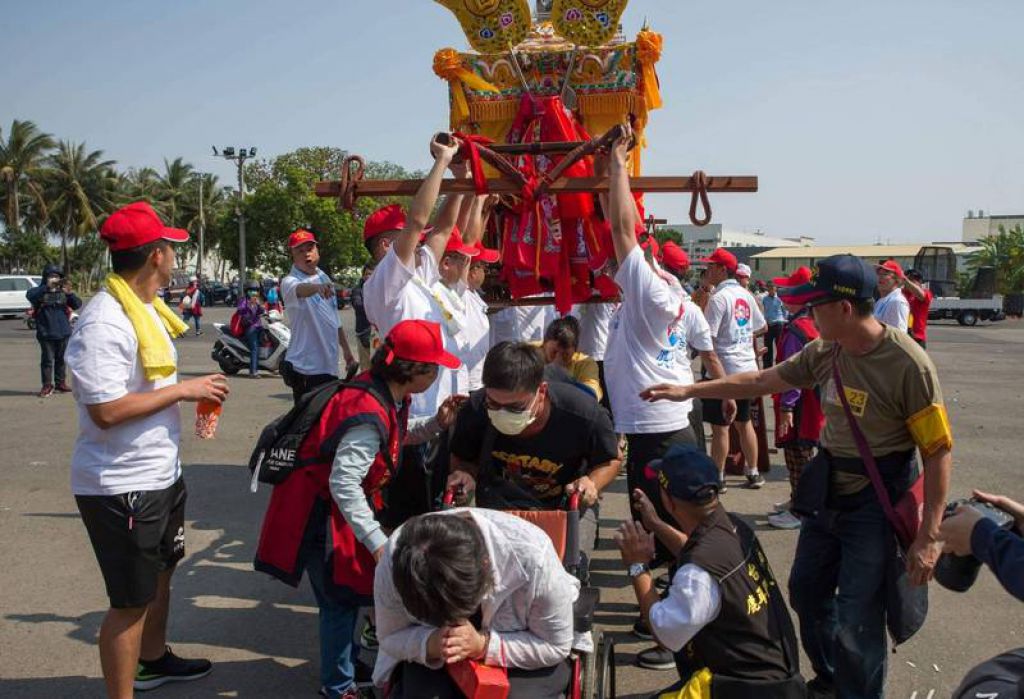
{"points": [[837, 589], [252, 338], [337, 616]]}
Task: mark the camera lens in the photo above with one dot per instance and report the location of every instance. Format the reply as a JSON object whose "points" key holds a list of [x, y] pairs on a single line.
{"points": [[957, 573]]}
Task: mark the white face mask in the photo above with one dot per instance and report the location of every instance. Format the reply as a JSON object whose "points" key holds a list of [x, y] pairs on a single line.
{"points": [[510, 423]]}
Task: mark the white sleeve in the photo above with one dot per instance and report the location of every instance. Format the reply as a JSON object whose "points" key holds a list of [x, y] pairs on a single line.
{"points": [[427, 266], [352, 461], [289, 291], [698, 332], [644, 291], [716, 312], [400, 636], [385, 285], [902, 314], [757, 317], [694, 601], [101, 358]]}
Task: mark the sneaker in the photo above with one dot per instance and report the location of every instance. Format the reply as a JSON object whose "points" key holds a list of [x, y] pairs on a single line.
{"points": [[782, 506], [198, 333], [656, 658], [169, 668], [820, 689], [364, 673], [784, 520], [368, 638], [642, 631], [63, 388], [723, 487], [46, 391], [755, 481]]}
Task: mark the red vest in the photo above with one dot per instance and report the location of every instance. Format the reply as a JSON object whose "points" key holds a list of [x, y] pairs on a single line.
{"points": [[292, 501], [808, 418]]}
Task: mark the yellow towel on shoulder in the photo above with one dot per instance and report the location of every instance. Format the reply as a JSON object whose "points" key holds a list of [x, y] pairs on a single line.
{"points": [[154, 348]]}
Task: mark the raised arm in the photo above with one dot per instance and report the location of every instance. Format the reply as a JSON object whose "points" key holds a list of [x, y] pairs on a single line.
{"points": [[749, 384], [914, 288], [423, 204], [622, 213]]}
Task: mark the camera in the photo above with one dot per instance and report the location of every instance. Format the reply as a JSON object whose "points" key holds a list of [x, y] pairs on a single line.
{"points": [[958, 573]]}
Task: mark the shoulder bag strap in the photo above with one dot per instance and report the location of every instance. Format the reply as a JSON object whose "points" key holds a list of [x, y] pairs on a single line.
{"points": [[870, 465]]}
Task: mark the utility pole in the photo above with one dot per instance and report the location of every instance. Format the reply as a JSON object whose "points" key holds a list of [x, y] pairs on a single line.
{"points": [[202, 230], [239, 159]]}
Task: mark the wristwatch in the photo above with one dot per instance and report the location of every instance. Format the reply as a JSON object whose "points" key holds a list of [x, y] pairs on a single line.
{"points": [[637, 569]]}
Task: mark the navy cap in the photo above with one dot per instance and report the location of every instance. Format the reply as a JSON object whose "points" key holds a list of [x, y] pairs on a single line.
{"points": [[686, 473], [836, 278]]}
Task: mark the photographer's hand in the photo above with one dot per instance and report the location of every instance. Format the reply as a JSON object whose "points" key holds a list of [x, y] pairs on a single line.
{"points": [[1015, 509]]}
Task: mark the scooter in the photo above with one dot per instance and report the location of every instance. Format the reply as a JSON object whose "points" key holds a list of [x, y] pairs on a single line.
{"points": [[30, 318], [232, 353]]}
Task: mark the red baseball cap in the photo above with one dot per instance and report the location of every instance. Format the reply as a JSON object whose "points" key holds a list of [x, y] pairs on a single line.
{"points": [[799, 277], [891, 266], [723, 257], [651, 245], [384, 219], [488, 255], [300, 237], [137, 224], [674, 258], [455, 244], [419, 341]]}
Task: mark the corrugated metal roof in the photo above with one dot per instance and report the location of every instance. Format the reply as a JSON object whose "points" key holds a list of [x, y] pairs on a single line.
{"points": [[868, 251]]}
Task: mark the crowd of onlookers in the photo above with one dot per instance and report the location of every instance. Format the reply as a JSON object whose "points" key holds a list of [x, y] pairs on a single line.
{"points": [[523, 409]]}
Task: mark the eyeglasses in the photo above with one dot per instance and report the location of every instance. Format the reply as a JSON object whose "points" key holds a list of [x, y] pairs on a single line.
{"points": [[520, 407]]}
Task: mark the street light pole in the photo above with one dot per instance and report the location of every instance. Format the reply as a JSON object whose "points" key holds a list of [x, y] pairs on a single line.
{"points": [[239, 159], [202, 230]]}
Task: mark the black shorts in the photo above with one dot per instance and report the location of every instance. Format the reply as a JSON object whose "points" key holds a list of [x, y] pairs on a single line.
{"points": [[135, 536], [713, 411]]}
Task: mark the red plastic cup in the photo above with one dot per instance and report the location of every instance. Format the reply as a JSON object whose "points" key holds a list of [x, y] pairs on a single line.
{"points": [[207, 417]]}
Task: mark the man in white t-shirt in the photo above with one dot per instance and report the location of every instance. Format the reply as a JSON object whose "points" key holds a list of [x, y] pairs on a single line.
{"points": [[461, 319], [595, 324], [892, 307], [311, 304], [651, 335], [735, 319], [125, 472]]}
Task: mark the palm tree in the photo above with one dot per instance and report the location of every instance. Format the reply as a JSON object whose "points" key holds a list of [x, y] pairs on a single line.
{"points": [[21, 158], [80, 186], [137, 184], [173, 188], [1005, 253]]}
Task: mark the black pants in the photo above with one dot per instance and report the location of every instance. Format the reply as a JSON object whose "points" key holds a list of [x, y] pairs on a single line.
{"points": [[303, 383], [420, 682], [774, 330], [51, 364], [643, 449]]}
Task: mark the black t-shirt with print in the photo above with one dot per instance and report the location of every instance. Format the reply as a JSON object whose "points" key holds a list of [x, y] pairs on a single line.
{"points": [[577, 437]]}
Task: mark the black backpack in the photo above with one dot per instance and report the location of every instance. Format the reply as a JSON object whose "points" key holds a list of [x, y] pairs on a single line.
{"points": [[276, 454]]}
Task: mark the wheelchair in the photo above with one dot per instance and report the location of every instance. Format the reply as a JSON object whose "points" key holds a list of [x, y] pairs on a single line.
{"points": [[592, 673]]}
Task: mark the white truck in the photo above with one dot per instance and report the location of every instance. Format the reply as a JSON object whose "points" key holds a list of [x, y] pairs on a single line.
{"points": [[937, 265]]}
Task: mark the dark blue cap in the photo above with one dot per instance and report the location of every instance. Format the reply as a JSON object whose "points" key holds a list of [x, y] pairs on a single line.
{"points": [[686, 473], [836, 278]]}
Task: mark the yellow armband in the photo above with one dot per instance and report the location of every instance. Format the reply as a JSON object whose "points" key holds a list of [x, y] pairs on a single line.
{"points": [[930, 429]]}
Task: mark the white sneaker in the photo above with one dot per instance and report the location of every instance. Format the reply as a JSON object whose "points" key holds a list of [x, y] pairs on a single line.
{"points": [[782, 506], [784, 520]]}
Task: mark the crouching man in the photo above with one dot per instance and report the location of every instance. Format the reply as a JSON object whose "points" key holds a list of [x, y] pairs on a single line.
{"points": [[723, 616], [472, 584]]}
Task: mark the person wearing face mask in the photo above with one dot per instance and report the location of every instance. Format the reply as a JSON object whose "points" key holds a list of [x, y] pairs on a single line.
{"points": [[52, 302], [521, 442]]}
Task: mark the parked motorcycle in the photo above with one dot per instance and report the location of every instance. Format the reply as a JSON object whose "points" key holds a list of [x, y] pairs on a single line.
{"points": [[30, 318], [232, 353]]}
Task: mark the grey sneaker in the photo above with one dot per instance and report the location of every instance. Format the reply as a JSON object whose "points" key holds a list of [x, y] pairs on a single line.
{"points": [[656, 658], [755, 481]]}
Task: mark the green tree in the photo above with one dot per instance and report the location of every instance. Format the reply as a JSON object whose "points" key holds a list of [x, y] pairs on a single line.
{"points": [[173, 189], [80, 186], [1005, 253], [21, 163], [138, 184]]}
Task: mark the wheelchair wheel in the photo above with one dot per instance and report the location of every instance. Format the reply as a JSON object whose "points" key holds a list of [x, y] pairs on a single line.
{"points": [[590, 679], [605, 653]]}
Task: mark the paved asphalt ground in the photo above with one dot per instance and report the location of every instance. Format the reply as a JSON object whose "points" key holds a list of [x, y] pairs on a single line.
{"points": [[262, 636]]}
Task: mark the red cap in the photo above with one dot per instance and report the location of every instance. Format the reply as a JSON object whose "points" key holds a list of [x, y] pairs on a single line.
{"points": [[891, 266], [300, 237], [137, 224], [650, 244], [674, 258], [455, 244], [387, 218], [723, 257], [419, 341], [799, 277], [487, 255]]}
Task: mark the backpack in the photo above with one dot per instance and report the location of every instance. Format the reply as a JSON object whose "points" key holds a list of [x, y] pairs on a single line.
{"points": [[235, 326], [276, 454]]}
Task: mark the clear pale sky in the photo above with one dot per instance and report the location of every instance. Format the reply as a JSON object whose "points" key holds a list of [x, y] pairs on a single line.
{"points": [[864, 120]]}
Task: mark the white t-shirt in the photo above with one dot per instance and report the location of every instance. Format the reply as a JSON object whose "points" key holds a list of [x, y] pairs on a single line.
{"points": [[894, 309], [478, 335], [595, 320], [394, 293], [694, 600], [314, 324], [521, 323], [140, 454], [648, 344], [734, 316]]}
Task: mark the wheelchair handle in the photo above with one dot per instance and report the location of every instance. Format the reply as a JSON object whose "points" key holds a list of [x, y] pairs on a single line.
{"points": [[574, 502]]}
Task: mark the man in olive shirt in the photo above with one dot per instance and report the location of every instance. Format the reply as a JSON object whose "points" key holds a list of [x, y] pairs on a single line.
{"points": [[837, 582]]}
